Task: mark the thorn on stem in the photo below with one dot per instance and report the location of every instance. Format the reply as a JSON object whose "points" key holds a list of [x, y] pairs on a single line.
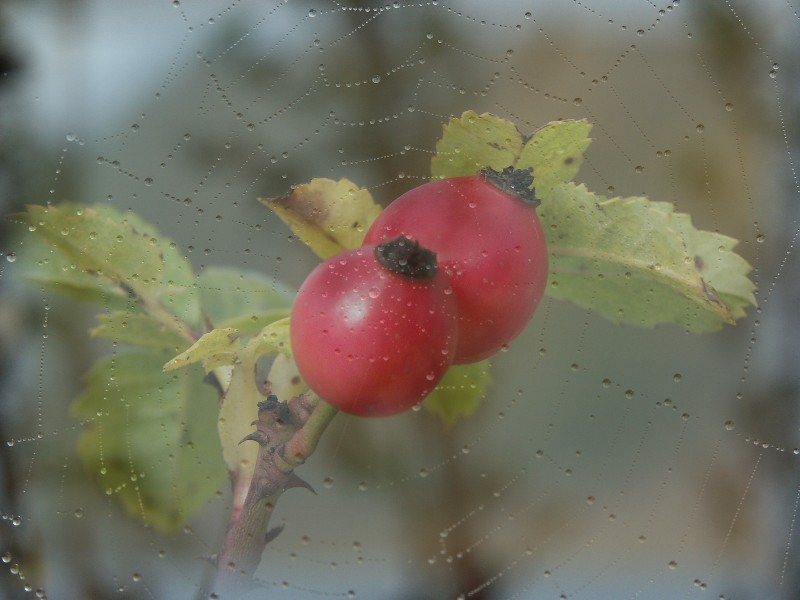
{"points": [[273, 533], [296, 481], [256, 436]]}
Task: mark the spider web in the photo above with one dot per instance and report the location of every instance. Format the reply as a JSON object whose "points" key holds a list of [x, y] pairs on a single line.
{"points": [[606, 461]]}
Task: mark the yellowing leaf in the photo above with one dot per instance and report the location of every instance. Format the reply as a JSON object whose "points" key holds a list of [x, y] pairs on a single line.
{"points": [[474, 141], [222, 350], [219, 347], [637, 261], [238, 411], [328, 216], [285, 378], [275, 335], [240, 407]]}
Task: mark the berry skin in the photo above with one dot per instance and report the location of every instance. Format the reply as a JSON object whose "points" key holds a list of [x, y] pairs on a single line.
{"points": [[488, 241], [374, 329]]}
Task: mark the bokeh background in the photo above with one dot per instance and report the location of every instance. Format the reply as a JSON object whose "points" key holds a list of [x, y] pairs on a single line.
{"points": [[606, 461]]}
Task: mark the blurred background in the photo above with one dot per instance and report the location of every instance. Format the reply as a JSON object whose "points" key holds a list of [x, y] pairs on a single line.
{"points": [[605, 462]]}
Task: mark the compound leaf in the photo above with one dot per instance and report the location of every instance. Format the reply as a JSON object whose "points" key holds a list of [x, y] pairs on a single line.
{"points": [[474, 141]]}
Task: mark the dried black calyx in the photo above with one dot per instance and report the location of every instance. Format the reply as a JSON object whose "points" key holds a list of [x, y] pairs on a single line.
{"points": [[518, 182], [271, 403], [406, 257]]}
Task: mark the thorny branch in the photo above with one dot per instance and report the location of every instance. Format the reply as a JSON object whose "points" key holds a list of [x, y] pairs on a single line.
{"points": [[287, 434]]}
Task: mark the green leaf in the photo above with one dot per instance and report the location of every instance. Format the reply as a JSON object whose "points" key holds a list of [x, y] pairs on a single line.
{"points": [[178, 291], [724, 271], [460, 392], [128, 257], [217, 348], [101, 245], [637, 261], [474, 141], [328, 216], [244, 300], [150, 439], [556, 153], [138, 329], [43, 265]]}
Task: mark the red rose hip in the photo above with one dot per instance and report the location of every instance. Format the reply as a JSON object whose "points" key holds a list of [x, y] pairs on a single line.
{"points": [[488, 241], [373, 330]]}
